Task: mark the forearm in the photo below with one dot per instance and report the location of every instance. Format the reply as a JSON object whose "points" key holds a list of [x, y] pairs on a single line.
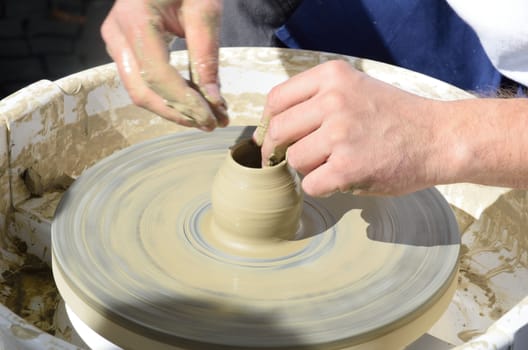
{"points": [[482, 141]]}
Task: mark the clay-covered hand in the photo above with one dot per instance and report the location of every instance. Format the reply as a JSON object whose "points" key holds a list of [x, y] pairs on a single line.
{"points": [[136, 32], [348, 132]]}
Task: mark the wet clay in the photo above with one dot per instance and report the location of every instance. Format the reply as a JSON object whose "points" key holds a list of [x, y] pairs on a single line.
{"points": [[494, 258], [255, 210], [29, 290], [133, 241], [469, 334], [501, 229], [36, 188]]}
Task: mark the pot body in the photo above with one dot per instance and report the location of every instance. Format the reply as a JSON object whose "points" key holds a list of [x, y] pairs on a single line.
{"points": [[253, 205]]}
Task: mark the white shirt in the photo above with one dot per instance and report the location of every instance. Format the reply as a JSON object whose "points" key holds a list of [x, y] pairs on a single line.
{"points": [[502, 27]]}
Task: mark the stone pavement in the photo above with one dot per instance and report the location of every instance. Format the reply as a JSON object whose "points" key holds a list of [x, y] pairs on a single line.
{"points": [[49, 39]]}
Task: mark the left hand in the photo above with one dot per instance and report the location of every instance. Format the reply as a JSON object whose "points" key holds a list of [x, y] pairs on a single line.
{"points": [[135, 32], [348, 132]]}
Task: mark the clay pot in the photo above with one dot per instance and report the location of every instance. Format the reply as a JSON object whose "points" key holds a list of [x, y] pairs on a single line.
{"points": [[254, 205]]}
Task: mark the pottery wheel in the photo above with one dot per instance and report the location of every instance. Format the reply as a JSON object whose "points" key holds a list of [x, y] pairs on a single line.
{"points": [[132, 254]]}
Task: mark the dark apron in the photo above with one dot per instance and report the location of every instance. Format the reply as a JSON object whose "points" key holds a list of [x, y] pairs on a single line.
{"points": [[426, 36]]}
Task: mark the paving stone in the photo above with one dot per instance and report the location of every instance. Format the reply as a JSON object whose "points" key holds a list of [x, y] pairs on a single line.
{"points": [[51, 45], [23, 69], [11, 28], [50, 27], [19, 8], [14, 48]]}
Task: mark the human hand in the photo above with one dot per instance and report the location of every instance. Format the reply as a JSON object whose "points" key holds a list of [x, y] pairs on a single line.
{"points": [[135, 32], [347, 132]]}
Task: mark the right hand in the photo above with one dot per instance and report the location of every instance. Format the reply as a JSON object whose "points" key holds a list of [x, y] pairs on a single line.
{"points": [[348, 132], [135, 32]]}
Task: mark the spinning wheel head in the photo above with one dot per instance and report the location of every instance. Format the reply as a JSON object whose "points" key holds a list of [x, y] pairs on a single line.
{"points": [[141, 254]]}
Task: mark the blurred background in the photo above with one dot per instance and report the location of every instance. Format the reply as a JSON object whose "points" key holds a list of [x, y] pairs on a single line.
{"points": [[49, 39]]}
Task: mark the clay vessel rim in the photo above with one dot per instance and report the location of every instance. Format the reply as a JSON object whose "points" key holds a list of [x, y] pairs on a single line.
{"points": [[261, 169]]}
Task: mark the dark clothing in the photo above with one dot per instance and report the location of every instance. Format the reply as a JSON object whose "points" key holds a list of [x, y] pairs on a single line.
{"points": [[251, 22], [426, 36]]}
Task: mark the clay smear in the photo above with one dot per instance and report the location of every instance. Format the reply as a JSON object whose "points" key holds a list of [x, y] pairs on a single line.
{"points": [[494, 259]]}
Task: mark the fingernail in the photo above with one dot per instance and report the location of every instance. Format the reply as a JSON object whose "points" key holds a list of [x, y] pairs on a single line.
{"points": [[329, 194], [354, 190], [221, 116], [206, 128], [212, 93], [222, 123]]}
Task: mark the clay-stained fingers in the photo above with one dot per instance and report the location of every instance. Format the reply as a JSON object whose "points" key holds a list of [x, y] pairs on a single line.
{"points": [[343, 171], [323, 181], [161, 77], [203, 42], [282, 108], [141, 24], [300, 88], [292, 92], [140, 93], [288, 127], [202, 38], [297, 89], [310, 152]]}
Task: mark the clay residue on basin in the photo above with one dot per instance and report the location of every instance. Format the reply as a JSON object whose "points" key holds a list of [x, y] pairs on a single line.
{"points": [[5, 199], [494, 261], [28, 290], [62, 149]]}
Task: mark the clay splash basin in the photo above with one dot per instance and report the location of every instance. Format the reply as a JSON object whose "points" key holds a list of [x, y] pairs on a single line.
{"points": [[54, 131]]}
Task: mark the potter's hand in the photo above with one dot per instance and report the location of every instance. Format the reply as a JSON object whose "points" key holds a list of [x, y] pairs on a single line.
{"points": [[350, 132], [135, 33]]}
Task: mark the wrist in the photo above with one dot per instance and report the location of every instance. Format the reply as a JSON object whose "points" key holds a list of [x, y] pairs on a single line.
{"points": [[483, 142], [449, 151]]}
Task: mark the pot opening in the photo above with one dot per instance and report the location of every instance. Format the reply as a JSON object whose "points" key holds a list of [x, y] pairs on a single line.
{"points": [[247, 153]]}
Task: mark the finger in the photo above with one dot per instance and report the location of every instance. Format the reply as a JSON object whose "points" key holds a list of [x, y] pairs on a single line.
{"points": [[291, 125], [144, 36], [202, 25], [323, 181], [340, 173], [295, 90], [309, 153], [140, 93]]}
